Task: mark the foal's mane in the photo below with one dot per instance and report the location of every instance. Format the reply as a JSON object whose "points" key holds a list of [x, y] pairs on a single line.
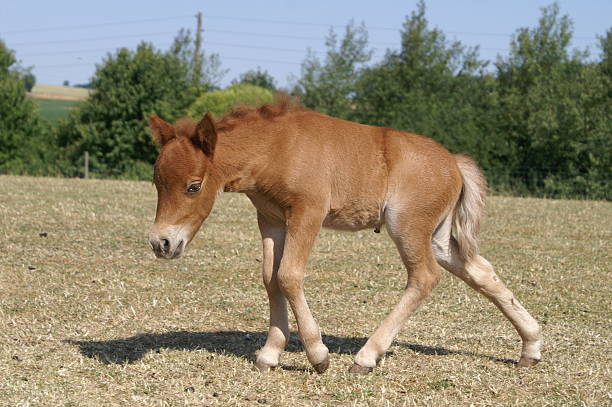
{"points": [[282, 104]]}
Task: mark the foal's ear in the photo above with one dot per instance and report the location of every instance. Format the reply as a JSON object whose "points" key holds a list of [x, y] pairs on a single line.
{"points": [[162, 131], [205, 135]]}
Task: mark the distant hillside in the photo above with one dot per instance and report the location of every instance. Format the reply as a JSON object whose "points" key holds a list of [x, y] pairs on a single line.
{"points": [[56, 92]]}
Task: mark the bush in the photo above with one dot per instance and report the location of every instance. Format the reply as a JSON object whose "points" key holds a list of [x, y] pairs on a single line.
{"points": [[219, 102]]}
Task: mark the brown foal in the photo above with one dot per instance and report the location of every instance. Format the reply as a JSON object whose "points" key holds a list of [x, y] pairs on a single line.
{"points": [[302, 171]]}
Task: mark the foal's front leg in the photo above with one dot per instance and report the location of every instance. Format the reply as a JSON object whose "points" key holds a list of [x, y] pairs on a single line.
{"points": [[273, 240], [303, 224]]}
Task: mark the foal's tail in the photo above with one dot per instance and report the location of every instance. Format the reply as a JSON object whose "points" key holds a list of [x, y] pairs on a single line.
{"points": [[469, 210]]}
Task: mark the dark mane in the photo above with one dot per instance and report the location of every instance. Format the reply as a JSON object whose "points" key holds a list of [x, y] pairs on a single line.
{"points": [[283, 104]]}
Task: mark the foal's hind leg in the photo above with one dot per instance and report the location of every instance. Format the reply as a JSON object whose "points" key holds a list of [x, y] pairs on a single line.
{"points": [[414, 244], [478, 273], [273, 239]]}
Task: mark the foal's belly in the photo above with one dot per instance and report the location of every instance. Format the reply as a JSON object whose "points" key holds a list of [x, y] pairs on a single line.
{"points": [[351, 216], [355, 216]]}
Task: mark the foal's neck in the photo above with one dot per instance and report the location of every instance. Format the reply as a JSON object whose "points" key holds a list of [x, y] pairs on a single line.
{"points": [[237, 154]]}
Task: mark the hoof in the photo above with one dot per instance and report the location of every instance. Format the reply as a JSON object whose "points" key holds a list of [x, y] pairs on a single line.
{"points": [[358, 369], [526, 362], [322, 367], [263, 367]]}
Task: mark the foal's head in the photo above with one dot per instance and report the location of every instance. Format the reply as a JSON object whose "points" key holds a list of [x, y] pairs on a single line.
{"points": [[186, 180]]}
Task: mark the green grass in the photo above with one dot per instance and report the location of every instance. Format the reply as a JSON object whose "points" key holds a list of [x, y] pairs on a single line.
{"points": [[54, 110], [89, 317]]}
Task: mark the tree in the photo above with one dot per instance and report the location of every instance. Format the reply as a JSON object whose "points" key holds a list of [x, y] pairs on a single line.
{"points": [[212, 72], [25, 75], [433, 87], [112, 123], [605, 43], [330, 86], [554, 110], [22, 149], [257, 77]]}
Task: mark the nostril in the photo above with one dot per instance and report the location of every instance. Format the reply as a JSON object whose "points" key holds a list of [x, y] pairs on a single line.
{"points": [[165, 245], [179, 250]]}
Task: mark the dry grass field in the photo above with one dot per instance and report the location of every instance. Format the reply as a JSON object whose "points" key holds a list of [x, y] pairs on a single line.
{"points": [[57, 92], [88, 316]]}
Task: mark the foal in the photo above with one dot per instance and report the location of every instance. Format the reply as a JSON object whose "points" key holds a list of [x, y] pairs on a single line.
{"points": [[302, 171]]}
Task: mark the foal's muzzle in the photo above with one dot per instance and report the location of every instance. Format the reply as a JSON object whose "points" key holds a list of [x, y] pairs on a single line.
{"points": [[164, 247]]}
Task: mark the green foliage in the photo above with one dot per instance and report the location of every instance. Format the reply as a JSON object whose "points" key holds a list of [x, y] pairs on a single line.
{"points": [[112, 123], [554, 111], [219, 102], [330, 86], [434, 87], [257, 77], [26, 75], [23, 149]]}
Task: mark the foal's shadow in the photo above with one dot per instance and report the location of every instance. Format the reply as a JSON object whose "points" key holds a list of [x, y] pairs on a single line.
{"points": [[238, 343]]}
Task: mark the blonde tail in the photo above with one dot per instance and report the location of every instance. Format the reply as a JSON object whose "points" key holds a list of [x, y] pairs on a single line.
{"points": [[469, 210]]}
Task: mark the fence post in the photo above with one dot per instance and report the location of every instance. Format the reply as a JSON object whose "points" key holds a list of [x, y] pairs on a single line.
{"points": [[86, 165]]}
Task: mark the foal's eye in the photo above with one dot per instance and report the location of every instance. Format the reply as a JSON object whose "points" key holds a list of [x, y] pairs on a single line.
{"points": [[194, 187]]}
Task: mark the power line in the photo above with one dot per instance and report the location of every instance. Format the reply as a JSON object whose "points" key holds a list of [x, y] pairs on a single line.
{"points": [[76, 27], [247, 19], [114, 37], [259, 34], [303, 50], [212, 43], [285, 36], [89, 50], [274, 61], [246, 33], [249, 33], [81, 51], [266, 21], [68, 65], [227, 44]]}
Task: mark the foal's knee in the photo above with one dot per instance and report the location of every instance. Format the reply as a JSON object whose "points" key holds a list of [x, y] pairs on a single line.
{"points": [[290, 282]]}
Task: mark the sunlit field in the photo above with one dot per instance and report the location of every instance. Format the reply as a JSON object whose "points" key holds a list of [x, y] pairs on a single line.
{"points": [[89, 317]]}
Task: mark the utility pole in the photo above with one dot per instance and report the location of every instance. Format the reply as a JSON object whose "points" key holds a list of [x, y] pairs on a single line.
{"points": [[86, 165], [197, 55]]}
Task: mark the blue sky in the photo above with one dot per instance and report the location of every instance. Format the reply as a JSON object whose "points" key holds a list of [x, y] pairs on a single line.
{"points": [[64, 39]]}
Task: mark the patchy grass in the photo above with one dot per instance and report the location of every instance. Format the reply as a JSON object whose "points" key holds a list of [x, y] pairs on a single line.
{"points": [[89, 317]]}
